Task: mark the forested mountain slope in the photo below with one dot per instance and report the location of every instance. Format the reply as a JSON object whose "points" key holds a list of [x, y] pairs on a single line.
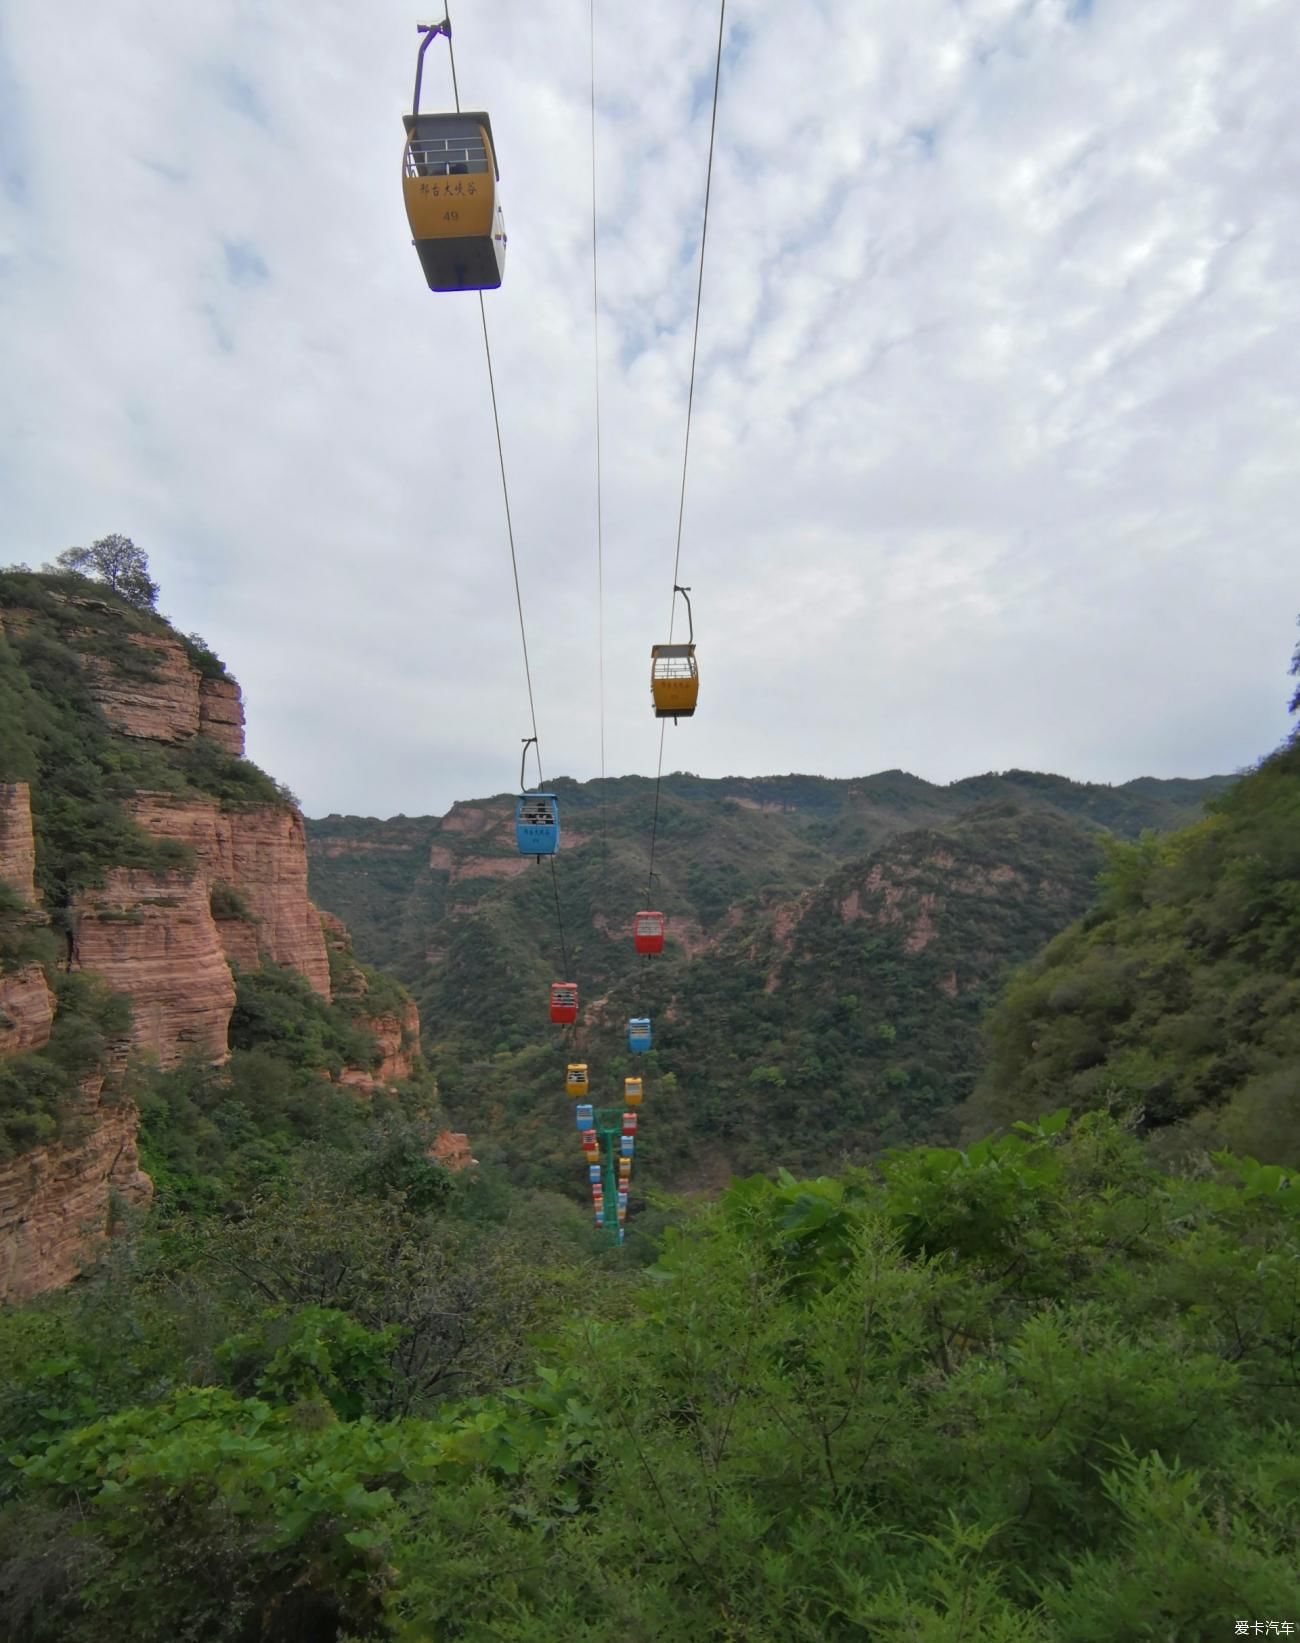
{"points": [[830, 947], [1178, 993]]}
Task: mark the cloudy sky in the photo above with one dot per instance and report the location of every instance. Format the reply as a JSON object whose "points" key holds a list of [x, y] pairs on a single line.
{"points": [[995, 457]]}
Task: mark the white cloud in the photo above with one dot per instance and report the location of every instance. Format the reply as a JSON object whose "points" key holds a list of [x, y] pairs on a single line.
{"points": [[993, 457]]}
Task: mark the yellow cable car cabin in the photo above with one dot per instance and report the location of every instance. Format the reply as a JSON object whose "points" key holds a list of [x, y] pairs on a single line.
{"points": [[575, 1079], [674, 677], [632, 1089], [674, 680], [449, 177]]}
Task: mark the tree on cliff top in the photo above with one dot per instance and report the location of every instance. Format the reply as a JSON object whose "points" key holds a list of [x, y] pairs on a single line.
{"points": [[1294, 704], [116, 560]]}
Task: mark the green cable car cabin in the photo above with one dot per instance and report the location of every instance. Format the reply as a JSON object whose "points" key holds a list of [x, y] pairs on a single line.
{"points": [[449, 178]]}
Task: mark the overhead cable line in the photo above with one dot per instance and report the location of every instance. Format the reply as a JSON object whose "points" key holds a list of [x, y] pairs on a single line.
{"points": [[510, 529], [600, 545], [690, 403]]}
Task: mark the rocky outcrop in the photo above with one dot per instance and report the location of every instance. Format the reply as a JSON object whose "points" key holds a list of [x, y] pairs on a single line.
{"points": [[221, 714], [451, 1150], [57, 1203], [398, 1037], [167, 940], [159, 701], [261, 855], [17, 847], [166, 698], [26, 1010], [26, 1002], [152, 936]]}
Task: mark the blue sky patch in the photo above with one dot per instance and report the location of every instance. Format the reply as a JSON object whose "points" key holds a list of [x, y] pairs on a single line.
{"points": [[239, 94], [13, 175], [245, 265]]}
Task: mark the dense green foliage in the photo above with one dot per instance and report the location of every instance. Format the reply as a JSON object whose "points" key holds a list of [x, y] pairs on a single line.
{"points": [[42, 1095], [1179, 992], [1036, 1391]]}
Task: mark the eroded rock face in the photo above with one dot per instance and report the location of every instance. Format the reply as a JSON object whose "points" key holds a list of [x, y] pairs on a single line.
{"points": [[170, 700], [398, 1037], [451, 1150], [56, 1202], [26, 1010], [152, 936], [17, 847], [26, 1003], [261, 855], [221, 714], [162, 708]]}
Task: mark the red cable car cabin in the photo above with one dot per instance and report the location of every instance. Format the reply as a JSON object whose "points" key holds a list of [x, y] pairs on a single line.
{"points": [[648, 932], [564, 1002]]}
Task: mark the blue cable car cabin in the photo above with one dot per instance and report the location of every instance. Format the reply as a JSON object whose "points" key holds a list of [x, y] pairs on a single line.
{"points": [[537, 824], [638, 1033]]}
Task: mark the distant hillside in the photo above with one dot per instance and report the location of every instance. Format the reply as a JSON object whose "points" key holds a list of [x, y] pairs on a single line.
{"points": [[1179, 992], [765, 1054]]}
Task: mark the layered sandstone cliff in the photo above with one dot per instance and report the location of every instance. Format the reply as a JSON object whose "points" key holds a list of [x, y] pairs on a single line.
{"points": [[26, 1002], [234, 896], [17, 846], [58, 1203], [167, 940], [26, 1010], [259, 855], [166, 699], [152, 937]]}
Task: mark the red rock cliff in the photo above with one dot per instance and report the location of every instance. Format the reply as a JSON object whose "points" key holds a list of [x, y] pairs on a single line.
{"points": [[57, 1202], [173, 705], [26, 1003], [17, 849], [261, 856], [152, 936], [167, 941]]}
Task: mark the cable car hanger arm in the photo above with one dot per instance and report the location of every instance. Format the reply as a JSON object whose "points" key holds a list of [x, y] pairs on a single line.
{"points": [[528, 741], [429, 31], [685, 593]]}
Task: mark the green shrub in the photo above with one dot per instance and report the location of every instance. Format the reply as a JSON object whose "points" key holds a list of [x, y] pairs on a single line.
{"points": [[41, 1091]]}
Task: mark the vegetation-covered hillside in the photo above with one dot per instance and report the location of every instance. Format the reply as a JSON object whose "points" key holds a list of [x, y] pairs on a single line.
{"points": [[55, 631], [780, 1023], [1179, 992], [1035, 1393]]}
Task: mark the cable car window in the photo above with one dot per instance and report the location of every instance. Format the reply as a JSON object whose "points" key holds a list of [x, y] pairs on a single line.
{"points": [[536, 813], [429, 156]]}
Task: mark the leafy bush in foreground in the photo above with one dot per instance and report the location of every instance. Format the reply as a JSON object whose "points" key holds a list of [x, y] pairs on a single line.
{"points": [[1032, 1391]]}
